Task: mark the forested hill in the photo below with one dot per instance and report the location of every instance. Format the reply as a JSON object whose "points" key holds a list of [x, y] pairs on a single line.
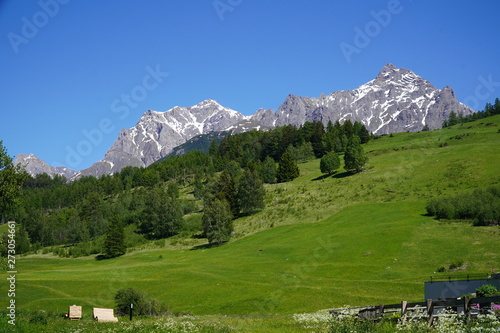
{"points": [[155, 202], [200, 224], [181, 195]]}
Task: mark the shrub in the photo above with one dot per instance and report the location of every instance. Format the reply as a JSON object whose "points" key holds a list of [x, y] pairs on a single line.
{"points": [[39, 317], [486, 290], [143, 306], [482, 207]]}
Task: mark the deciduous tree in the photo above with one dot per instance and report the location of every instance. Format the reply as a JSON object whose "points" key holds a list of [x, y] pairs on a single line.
{"points": [[11, 178], [217, 221], [329, 163], [251, 192], [354, 157]]}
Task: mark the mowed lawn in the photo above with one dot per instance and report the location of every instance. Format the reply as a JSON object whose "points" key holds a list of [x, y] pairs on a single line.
{"points": [[321, 242]]}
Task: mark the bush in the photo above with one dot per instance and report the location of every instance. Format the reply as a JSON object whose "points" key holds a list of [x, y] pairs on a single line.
{"points": [[486, 290], [482, 207], [143, 306], [38, 317]]}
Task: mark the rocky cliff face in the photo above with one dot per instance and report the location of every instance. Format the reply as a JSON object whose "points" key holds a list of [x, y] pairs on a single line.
{"points": [[396, 100], [158, 133], [34, 166]]}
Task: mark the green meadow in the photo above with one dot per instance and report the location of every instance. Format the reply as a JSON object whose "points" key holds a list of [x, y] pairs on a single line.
{"points": [[321, 242]]}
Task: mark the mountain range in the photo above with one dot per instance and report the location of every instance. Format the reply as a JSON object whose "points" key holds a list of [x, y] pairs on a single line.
{"points": [[396, 100]]}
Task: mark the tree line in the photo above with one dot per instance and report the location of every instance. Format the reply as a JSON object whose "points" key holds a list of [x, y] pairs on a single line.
{"points": [[489, 110], [227, 182]]}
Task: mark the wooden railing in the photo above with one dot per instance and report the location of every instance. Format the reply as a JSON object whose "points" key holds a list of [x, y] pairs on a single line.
{"points": [[431, 308]]}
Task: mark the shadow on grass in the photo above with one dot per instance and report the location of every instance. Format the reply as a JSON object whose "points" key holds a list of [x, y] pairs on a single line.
{"points": [[343, 174], [321, 177], [206, 246], [335, 175]]}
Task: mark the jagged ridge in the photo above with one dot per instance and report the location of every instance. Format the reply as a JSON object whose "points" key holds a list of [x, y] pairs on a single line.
{"points": [[396, 100]]}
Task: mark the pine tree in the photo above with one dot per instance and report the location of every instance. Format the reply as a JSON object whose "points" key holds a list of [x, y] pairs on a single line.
{"points": [[287, 168], [114, 245], [226, 190], [268, 171], [354, 157], [363, 134]]}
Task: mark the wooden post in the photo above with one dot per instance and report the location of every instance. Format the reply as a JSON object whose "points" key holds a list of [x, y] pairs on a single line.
{"points": [[404, 306], [467, 308], [430, 311], [381, 310]]}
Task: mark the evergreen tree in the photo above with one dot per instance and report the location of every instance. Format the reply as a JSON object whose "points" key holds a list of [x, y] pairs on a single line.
{"points": [[22, 240], [287, 169], [217, 221], [340, 143], [329, 163], [114, 244], [317, 138], [162, 216], [354, 157], [91, 215], [363, 134], [302, 153], [198, 185], [213, 150], [452, 119], [226, 190], [251, 192], [268, 171], [329, 141], [348, 128]]}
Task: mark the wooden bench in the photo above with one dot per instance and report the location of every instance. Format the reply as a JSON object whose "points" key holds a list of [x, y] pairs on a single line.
{"points": [[74, 312], [105, 315]]}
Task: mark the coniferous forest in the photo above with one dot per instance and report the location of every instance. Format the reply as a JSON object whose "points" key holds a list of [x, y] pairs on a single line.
{"points": [[196, 194]]}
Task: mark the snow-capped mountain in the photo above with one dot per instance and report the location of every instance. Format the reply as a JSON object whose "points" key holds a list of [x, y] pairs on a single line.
{"points": [[158, 133], [34, 166], [396, 100]]}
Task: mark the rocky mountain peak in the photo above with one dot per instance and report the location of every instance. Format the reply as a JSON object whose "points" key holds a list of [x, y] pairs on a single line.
{"points": [[34, 166], [396, 100]]}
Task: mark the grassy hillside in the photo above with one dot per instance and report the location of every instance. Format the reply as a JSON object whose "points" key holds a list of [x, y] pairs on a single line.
{"points": [[321, 242]]}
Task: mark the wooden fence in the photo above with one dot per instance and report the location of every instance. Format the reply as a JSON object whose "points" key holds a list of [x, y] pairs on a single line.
{"points": [[431, 308]]}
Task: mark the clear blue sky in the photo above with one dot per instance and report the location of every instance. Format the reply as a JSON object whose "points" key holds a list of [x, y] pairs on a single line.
{"points": [[66, 67]]}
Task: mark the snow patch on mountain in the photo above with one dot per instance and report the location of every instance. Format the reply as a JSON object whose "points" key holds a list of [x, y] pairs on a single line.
{"points": [[395, 100]]}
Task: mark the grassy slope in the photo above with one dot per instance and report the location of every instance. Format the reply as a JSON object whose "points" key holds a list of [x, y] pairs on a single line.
{"points": [[355, 240]]}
